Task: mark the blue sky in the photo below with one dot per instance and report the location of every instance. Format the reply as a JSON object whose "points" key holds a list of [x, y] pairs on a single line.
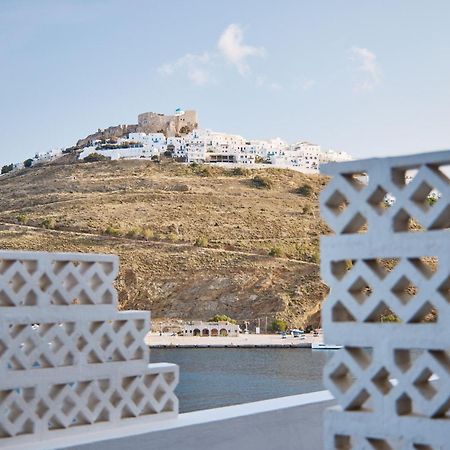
{"points": [[368, 77]]}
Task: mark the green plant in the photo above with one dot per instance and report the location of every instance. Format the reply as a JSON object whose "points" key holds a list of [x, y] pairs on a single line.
{"points": [[49, 223], [133, 233], [222, 318], [261, 182], [276, 251], [23, 219], [28, 163], [201, 241], [7, 168], [278, 325], [94, 157], [240, 172], [305, 190], [113, 231]]}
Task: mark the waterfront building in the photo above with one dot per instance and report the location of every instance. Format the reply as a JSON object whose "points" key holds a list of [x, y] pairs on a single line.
{"points": [[199, 328]]}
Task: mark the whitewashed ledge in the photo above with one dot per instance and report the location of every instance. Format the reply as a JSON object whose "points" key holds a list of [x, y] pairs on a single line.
{"points": [[294, 422]]}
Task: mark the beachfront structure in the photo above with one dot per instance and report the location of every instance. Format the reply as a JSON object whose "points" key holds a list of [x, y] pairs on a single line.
{"points": [[389, 384], [199, 328]]}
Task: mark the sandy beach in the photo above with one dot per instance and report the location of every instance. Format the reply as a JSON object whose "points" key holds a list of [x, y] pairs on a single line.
{"points": [[244, 340]]}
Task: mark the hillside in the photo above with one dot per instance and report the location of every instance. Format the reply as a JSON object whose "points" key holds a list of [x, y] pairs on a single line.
{"points": [[193, 241]]}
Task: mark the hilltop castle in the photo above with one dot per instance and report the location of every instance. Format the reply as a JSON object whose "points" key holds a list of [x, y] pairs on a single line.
{"points": [[178, 124]]}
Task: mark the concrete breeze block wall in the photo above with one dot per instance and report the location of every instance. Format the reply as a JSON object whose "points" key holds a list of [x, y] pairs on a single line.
{"points": [[388, 269], [69, 362]]}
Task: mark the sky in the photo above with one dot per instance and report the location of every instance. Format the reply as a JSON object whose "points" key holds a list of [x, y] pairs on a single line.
{"points": [[368, 77]]}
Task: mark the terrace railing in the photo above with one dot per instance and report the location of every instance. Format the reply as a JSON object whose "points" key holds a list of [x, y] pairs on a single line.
{"points": [[70, 364], [388, 269]]}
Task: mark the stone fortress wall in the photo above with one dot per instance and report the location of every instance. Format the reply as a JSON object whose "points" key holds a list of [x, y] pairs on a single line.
{"points": [[149, 122], [170, 125]]}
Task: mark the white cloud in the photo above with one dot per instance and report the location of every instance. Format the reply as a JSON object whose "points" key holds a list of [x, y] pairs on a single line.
{"points": [[263, 82], [197, 67], [235, 51], [366, 62]]}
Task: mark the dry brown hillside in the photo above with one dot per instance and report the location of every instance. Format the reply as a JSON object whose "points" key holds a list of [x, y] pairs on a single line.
{"points": [[193, 241]]}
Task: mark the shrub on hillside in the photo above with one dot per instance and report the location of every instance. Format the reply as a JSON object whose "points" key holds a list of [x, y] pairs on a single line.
{"points": [[7, 168], [147, 233], [22, 219], [201, 241], [278, 325], [261, 182], [305, 190], [221, 318], [113, 231], [240, 172], [276, 251], [28, 163], [94, 157], [49, 223]]}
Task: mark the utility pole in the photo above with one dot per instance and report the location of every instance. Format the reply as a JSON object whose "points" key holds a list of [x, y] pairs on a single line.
{"points": [[266, 324]]}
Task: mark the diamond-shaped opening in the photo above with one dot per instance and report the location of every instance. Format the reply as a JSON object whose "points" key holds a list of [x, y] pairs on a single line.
{"points": [[41, 409], [118, 324], [58, 299], [28, 346], [68, 405], [148, 409], [361, 402], [30, 299], [115, 399], [44, 282], [424, 385], [380, 200], [382, 444], [382, 266], [42, 361], [422, 447], [105, 341], [159, 393], [139, 324], [361, 355], [340, 313], [107, 267], [342, 442], [84, 299], [92, 401], [107, 298], [148, 380], [404, 290], [13, 412], [5, 299], [80, 419], [382, 313], [30, 266], [94, 326], [337, 203], [402, 221], [128, 340], [127, 413], [92, 358], [55, 423], [81, 343], [85, 266], [103, 416], [403, 405], [342, 377], [137, 396], [360, 290], [5, 264], [26, 428], [382, 382], [444, 289], [17, 282], [169, 377], [95, 282], [357, 181], [15, 364], [424, 196], [427, 313], [404, 358], [69, 359], [340, 268], [69, 282], [3, 348], [59, 266], [427, 265], [356, 224], [55, 390]]}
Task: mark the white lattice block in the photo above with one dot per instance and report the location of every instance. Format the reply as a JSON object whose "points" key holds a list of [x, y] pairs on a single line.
{"points": [[69, 361], [389, 303]]}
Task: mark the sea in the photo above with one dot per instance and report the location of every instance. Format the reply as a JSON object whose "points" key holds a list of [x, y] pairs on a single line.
{"points": [[215, 377]]}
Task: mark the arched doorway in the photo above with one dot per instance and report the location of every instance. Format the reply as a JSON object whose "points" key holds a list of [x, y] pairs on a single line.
{"points": [[214, 332], [223, 332], [197, 332], [205, 332]]}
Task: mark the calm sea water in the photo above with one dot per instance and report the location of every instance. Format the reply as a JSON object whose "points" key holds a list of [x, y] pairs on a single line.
{"points": [[210, 378]]}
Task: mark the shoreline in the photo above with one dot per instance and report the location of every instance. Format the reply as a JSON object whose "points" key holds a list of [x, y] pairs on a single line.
{"points": [[155, 340]]}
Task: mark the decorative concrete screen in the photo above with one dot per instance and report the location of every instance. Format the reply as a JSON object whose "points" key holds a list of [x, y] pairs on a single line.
{"points": [[70, 364], [387, 266]]}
